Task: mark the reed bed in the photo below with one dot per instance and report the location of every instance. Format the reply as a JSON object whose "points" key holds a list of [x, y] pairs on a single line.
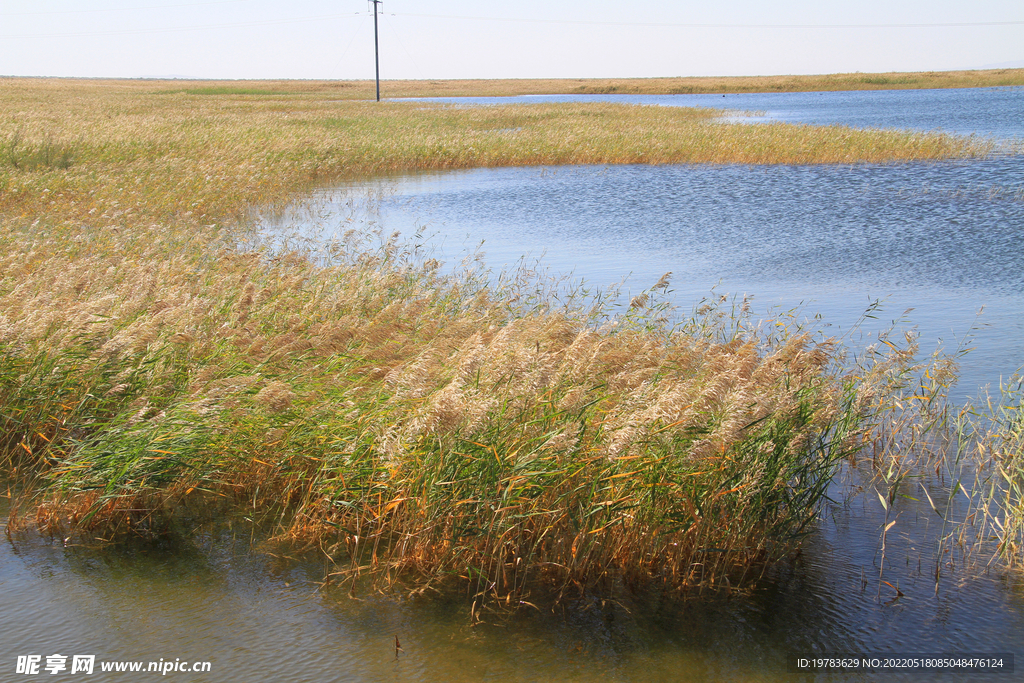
{"points": [[414, 422], [156, 355], [993, 438], [138, 151], [708, 85]]}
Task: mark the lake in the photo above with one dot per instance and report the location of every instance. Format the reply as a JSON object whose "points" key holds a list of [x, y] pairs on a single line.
{"points": [[942, 238]]}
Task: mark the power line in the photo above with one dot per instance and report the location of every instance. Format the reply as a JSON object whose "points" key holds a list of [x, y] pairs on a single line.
{"points": [[175, 29], [651, 24], [391, 26], [120, 9], [273, 22], [351, 39]]}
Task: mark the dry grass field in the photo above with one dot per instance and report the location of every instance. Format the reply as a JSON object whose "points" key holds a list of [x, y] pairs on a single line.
{"points": [[365, 90]]}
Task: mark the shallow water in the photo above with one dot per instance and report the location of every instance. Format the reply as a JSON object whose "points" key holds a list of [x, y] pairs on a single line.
{"points": [[260, 616]]}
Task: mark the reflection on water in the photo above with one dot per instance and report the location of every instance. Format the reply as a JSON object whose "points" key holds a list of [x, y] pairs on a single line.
{"points": [[259, 616]]}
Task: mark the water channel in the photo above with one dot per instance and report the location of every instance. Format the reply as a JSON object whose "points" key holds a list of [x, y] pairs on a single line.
{"points": [[942, 238]]}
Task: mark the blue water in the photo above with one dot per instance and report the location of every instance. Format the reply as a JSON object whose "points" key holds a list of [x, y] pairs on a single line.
{"points": [[986, 112]]}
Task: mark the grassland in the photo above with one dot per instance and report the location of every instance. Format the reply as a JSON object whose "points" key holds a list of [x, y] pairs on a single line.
{"points": [[157, 355], [696, 86], [366, 90]]}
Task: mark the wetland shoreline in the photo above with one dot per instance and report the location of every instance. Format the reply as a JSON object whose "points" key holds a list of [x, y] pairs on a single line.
{"points": [[155, 348]]}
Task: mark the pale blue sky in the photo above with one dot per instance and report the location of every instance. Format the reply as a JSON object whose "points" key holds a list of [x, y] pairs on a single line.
{"points": [[427, 39]]}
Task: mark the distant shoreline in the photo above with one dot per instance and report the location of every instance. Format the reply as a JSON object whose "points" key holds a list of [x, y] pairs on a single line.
{"points": [[365, 89]]}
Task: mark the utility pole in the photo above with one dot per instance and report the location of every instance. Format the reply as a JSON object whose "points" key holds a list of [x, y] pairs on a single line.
{"points": [[376, 46]]}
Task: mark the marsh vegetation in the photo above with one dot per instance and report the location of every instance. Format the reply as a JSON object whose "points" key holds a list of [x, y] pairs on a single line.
{"points": [[159, 355], [365, 90]]}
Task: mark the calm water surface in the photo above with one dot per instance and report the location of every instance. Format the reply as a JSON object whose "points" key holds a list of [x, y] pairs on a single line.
{"points": [[943, 238], [261, 616], [940, 238]]}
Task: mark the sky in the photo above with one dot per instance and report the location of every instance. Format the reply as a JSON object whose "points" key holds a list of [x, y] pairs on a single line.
{"points": [[441, 39]]}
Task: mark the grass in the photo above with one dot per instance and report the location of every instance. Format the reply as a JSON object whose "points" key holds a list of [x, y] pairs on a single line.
{"points": [[996, 439], [44, 154], [694, 85], [227, 90], [139, 155], [366, 90], [155, 353]]}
